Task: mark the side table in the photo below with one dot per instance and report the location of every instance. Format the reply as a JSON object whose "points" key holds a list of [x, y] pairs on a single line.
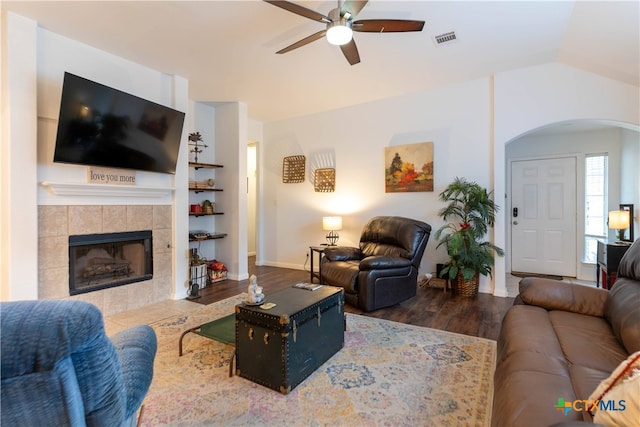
{"points": [[319, 250], [608, 257]]}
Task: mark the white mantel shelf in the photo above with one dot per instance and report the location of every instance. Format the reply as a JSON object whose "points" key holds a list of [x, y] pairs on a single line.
{"points": [[105, 190]]}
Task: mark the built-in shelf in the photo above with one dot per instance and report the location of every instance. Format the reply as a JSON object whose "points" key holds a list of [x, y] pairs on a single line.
{"points": [[204, 165], [200, 190], [212, 236], [105, 190], [205, 214]]}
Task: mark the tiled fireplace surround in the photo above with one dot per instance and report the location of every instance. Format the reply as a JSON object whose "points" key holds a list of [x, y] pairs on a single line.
{"points": [[57, 223]]}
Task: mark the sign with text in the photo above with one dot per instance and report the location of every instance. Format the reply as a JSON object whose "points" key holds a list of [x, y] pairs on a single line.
{"points": [[97, 175]]}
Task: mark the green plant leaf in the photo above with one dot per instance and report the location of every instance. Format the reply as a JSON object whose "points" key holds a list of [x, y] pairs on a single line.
{"points": [[470, 212]]}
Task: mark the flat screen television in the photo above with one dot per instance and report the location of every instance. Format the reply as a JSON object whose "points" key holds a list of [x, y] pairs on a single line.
{"points": [[102, 126]]}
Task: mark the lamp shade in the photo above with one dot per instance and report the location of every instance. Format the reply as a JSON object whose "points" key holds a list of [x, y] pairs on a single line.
{"points": [[619, 220], [332, 223]]}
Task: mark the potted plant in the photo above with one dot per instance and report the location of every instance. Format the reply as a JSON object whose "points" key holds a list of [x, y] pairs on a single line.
{"points": [[471, 212]]}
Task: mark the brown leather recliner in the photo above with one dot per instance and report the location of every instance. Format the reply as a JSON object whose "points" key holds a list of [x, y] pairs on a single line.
{"points": [[383, 270]]}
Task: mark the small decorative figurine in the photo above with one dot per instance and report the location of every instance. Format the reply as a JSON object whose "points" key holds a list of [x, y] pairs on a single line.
{"points": [[254, 292]]}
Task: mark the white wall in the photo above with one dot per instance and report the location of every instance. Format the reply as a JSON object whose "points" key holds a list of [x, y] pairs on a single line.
{"points": [[231, 149], [18, 199], [578, 145], [255, 200], [57, 54], [630, 174], [529, 98], [456, 118], [39, 83], [469, 123]]}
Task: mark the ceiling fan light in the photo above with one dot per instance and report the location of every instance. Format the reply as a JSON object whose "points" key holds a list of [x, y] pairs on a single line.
{"points": [[339, 35]]}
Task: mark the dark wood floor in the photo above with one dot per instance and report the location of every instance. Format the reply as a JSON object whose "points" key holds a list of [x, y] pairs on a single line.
{"points": [[431, 307]]}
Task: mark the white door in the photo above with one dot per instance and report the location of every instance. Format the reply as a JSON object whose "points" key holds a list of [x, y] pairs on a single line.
{"points": [[543, 216]]}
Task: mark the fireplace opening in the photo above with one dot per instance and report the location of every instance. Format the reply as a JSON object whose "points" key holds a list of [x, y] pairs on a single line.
{"points": [[100, 261]]}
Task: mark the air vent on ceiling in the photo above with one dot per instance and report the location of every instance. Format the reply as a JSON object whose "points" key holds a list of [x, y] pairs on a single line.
{"points": [[445, 38]]}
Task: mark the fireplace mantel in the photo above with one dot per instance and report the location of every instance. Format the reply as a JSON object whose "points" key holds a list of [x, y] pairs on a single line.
{"points": [[105, 190]]}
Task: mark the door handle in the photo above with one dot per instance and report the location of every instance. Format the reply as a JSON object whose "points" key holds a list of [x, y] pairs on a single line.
{"points": [[515, 222]]}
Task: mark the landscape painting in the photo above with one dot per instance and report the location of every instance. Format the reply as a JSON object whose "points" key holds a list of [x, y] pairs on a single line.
{"points": [[409, 168]]}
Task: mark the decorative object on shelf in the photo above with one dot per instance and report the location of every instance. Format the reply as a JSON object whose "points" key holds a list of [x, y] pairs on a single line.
{"points": [[195, 140], [324, 180], [217, 271], [254, 292], [195, 208], [473, 212], [205, 184], [409, 168], [293, 169], [207, 207], [628, 208], [332, 224]]}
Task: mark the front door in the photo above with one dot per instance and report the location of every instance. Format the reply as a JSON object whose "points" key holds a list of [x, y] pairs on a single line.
{"points": [[543, 216]]}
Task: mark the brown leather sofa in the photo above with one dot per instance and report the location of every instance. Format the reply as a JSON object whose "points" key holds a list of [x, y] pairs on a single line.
{"points": [[559, 341], [383, 270]]}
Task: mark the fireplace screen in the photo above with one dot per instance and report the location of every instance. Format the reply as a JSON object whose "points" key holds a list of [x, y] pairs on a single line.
{"points": [[99, 261]]}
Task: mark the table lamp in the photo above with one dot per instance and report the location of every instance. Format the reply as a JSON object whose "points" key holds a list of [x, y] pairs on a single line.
{"points": [[332, 224], [619, 220]]}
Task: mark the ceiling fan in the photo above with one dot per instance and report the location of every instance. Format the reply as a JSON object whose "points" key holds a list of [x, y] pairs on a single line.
{"points": [[340, 26]]}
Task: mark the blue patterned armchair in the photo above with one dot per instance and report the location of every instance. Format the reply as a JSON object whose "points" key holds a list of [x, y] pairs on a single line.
{"points": [[60, 369]]}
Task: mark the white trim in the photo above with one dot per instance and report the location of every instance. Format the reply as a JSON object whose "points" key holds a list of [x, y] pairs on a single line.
{"points": [[82, 190]]}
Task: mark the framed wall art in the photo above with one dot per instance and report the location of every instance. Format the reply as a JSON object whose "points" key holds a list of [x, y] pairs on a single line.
{"points": [[408, 168]]}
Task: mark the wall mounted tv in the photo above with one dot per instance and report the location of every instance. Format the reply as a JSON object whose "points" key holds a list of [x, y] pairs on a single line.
{"points": [[102, 126]]}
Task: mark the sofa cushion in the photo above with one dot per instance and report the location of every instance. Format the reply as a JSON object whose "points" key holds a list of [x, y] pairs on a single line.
{"points": [[556, 295], [528, 328], [622, 310], [585, 380], [526, 388], [576, 334]]}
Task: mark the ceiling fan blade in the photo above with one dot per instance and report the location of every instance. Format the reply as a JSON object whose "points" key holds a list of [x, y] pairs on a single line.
{"points": [[387, 25], [353, 7], [304, 41], [350, 52], [299, 10]]}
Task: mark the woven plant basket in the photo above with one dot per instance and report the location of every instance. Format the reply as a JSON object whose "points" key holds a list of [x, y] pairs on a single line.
{"points": [[465, 288]]}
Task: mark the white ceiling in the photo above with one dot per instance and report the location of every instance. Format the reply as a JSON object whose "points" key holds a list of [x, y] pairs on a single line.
{"points": [[226, 49]]}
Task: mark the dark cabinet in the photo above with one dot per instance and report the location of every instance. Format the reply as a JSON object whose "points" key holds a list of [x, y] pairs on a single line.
{"points": [[609, 256]]}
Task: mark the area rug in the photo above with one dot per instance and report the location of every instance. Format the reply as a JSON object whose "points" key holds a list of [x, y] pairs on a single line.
{"points": [[387, 374]]}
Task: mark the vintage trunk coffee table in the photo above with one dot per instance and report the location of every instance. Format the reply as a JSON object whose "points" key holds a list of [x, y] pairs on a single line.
{"points": [[280, 347]]}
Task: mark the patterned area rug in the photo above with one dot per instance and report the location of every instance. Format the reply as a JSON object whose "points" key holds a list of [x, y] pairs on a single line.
{"points": [[388, 374]]}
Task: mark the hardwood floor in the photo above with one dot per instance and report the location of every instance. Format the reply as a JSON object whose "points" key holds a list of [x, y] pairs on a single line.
{"points": [[431, 307]]}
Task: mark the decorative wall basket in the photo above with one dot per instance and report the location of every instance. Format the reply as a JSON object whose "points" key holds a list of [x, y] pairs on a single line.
{"points": [[324, 180], [293, 169]]}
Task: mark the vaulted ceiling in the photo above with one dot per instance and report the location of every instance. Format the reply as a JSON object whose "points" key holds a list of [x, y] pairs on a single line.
{"points": [[226, 49]]}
